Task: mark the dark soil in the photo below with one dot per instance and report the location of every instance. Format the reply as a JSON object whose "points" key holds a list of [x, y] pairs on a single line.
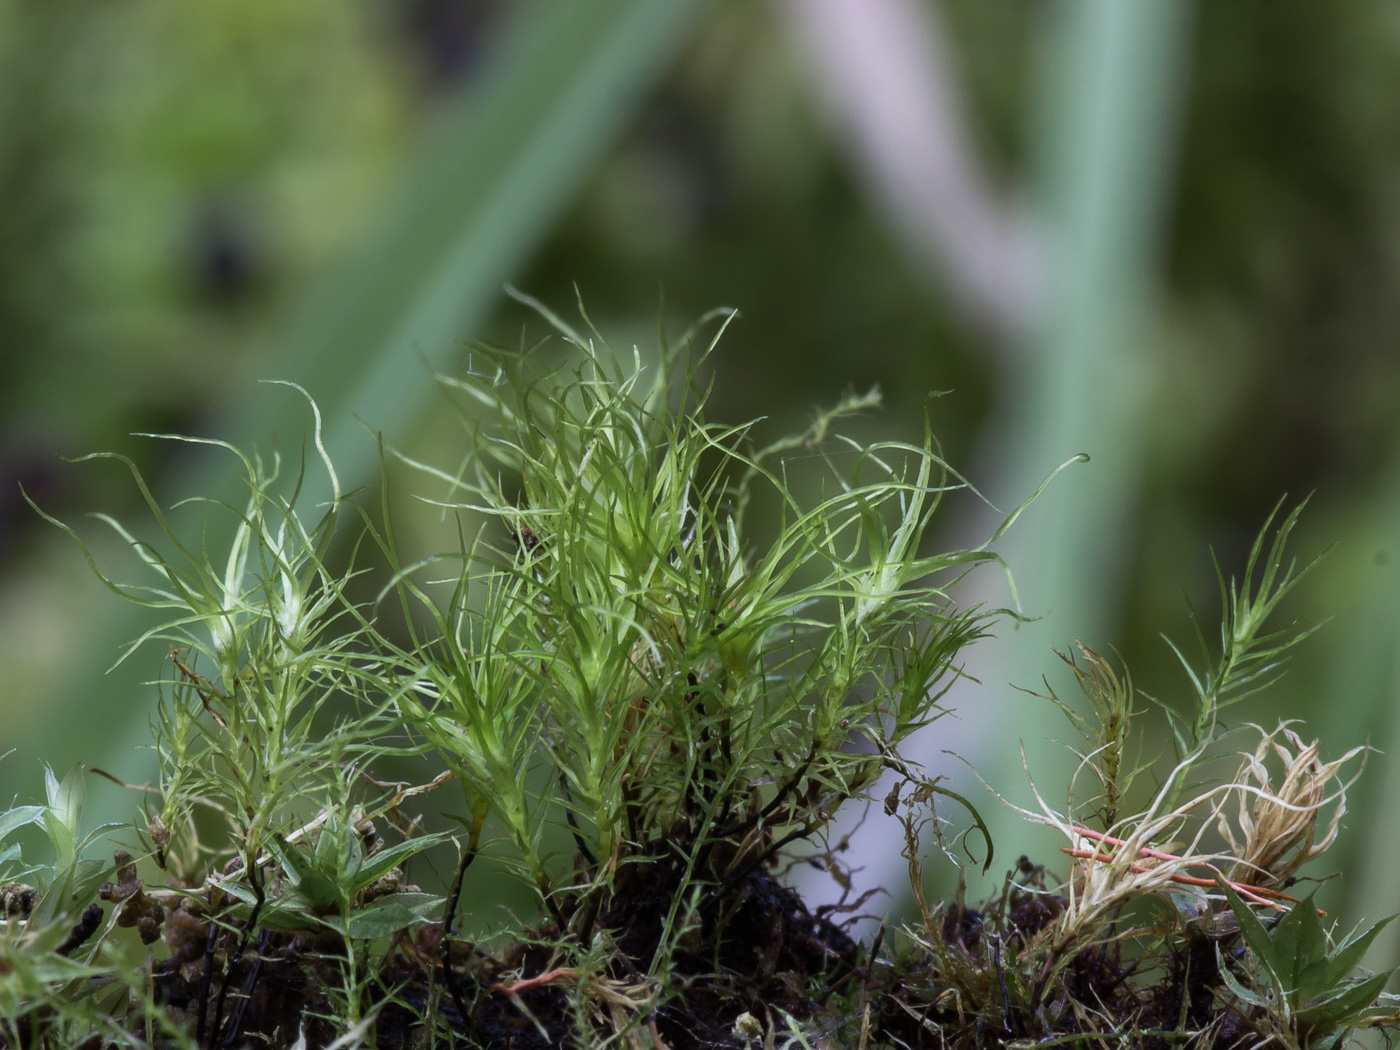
{"points": [[978, 979], [972, 991], [755, 948]]}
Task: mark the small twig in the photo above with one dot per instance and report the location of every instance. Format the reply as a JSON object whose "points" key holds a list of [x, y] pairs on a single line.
{"points": [[405, 792], [1001, 983], [265, 858], [574, 829], [549, 977], [552, 906], [1258, 894], [236, 1020], [875, 946], [744, 826], [749, 823], [849, 971], [207, 978], [243, 938], [739, 876], [794, 836], [147, 788], [206, 690], [1099, 836], [445, 940]]}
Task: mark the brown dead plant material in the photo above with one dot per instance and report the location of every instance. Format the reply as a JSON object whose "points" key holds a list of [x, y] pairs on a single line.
{"points": [[1275, 832]]}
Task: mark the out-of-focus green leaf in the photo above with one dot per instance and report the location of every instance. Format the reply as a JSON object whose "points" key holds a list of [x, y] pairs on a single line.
{"points": [[285, 914], [1348, 956], [384, 861], [392, 913], [18, 817], [66, 797], [494, 170], [1346, 1003], [1111, 77]]}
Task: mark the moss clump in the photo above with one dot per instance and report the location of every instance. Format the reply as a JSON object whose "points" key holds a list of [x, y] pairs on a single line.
{"points": [[646, 709]]}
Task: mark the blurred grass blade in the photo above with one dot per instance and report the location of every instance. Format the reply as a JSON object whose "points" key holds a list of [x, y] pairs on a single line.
{"points": [[1364, 674], [1111, 81], [495, 168]]}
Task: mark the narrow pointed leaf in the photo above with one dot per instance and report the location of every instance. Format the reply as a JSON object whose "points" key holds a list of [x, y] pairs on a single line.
{"points": [[1346, 1004], [1349, 955], [1252, 930]]}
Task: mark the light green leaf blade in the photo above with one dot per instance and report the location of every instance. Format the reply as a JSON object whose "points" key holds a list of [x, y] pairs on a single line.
{"points": [[392, 913], [18, 817], [387, 859], [1346, 1004], [1299, 943], [1349, 955]]}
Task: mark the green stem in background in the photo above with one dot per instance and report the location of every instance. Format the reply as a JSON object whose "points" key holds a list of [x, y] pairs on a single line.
{"points": [[1109, 88]]}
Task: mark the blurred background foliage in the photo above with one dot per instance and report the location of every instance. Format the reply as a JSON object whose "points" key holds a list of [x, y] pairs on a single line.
{"points": [[1182, 256]]}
